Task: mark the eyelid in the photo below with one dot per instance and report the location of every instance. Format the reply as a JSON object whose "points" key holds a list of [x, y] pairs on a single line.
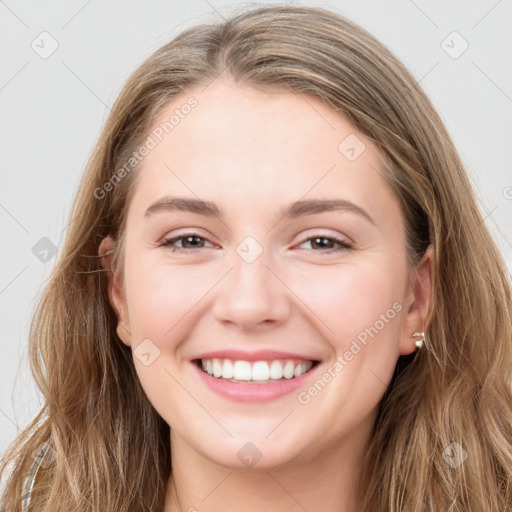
{"points": [[186, 233], [341, 242], [321, 233], [168, 240]]}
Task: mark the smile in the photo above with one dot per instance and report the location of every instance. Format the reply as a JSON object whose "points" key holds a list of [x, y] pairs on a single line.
{"points": [[255, 372], [254, 376]]}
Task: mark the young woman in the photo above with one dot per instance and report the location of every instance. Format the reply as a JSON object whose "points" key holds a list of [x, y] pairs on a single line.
{"points": [[276, 292]]}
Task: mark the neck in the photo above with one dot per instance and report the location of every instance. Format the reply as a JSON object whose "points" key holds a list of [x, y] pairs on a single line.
{"points": [[325, 480]]}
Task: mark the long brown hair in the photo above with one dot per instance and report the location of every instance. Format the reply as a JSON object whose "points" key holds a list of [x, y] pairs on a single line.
{"points": [[112, 450]]}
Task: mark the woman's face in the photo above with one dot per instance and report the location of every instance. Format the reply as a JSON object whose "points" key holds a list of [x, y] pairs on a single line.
{"points": [[235, 261]]}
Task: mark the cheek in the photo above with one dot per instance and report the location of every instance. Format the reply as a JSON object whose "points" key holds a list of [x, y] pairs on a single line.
{"points": [[353, 302], [161, 296], [163, 303]]}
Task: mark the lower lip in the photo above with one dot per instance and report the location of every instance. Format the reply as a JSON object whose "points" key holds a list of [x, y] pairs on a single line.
{"points": [[242, 392]]}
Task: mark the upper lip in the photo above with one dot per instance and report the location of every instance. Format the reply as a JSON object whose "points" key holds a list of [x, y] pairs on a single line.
{"points": [[258, 355]]}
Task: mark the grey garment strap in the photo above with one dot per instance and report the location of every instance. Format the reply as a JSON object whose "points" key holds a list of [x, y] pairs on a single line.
{"points": [[43, 457]]}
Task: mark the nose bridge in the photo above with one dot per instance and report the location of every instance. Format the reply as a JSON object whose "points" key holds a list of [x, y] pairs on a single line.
{"points": [[251, 277], [251, 294], [251, 268]]}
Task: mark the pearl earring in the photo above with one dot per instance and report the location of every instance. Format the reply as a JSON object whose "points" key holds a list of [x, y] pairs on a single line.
{"points": [[419, 343]]}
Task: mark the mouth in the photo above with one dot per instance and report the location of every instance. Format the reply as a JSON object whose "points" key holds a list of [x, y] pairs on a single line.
{"points": [[255, 372]]}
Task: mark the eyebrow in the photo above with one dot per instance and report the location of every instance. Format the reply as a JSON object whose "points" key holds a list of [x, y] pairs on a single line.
{"points": [[294, 210]]}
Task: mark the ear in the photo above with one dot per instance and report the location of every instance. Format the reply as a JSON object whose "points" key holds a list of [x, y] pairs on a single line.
{"points": [[420, 296], [116, 293]]}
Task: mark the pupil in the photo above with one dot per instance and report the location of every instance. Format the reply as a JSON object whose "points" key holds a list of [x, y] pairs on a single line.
{"points": [[316, 241], [196, 238]]}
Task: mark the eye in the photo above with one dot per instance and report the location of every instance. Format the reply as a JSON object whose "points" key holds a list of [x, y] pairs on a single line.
{"points": [[322, 241], [189, 242]]}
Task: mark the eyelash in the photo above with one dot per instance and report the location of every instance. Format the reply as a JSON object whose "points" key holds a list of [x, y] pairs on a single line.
{"points": [[342, 244]]}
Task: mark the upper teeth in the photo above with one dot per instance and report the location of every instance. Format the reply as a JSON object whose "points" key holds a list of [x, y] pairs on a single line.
{"points": [[256, 371]]}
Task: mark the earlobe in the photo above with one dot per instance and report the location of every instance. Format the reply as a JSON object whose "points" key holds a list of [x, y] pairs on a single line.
{"points": [[420, 308], [115, 288]]}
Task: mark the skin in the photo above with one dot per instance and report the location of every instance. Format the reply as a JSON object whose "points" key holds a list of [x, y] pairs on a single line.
{"points": [[253, 153]]}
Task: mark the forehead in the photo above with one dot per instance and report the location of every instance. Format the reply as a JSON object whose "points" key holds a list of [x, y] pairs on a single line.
{"points": [[274, 146]]}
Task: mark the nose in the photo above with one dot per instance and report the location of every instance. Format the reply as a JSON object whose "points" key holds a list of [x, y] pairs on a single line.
{"points": [[251, 295]]}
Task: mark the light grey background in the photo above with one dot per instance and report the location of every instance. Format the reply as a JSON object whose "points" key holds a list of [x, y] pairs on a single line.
{"points": [[52, 110]]}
